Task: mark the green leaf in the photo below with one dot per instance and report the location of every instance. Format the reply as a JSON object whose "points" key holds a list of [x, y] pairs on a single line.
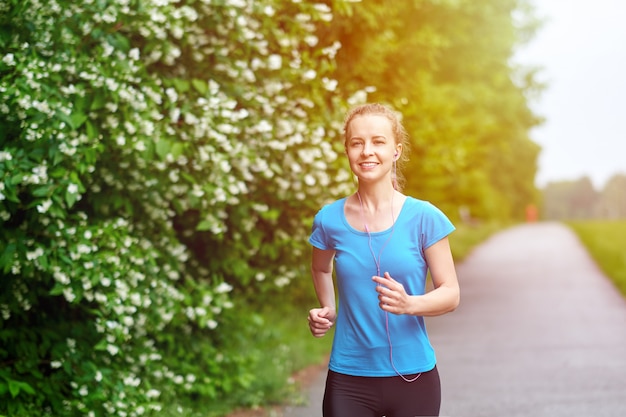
{"points": [[57, 289], [6, 259], [99, 100], [14, 388], [80, 104], [177, 150], [70, 198], [92, 131], [65, 118], [42, 191], [77, 119], [27, 388], [203, 226], [162, 148], [118, 41], [200, 86], [182, 86], [102, 345]]}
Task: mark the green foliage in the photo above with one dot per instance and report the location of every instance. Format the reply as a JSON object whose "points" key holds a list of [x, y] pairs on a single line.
{"points": [[579, 199], [467, 236], [606, 241], [157, 161], [446, 66]]}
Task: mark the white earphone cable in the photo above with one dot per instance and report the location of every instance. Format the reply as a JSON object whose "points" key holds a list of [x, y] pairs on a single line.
{"points": [[377, 262]]}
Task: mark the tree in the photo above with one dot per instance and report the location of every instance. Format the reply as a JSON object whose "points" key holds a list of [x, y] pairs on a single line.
{"points": [[612, 199], [570, 199], [446, 66]]}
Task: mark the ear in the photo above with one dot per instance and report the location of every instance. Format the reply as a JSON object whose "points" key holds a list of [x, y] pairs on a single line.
{"points": [[396, 156]]}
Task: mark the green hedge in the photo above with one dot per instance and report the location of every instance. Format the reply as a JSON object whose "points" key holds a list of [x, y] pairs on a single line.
{"points": [[156, 158]]}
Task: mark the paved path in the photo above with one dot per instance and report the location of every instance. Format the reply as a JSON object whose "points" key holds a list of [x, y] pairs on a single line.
{"points": [[540, 332]]}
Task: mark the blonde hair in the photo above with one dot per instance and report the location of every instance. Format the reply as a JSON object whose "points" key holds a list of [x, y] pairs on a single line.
{"points": [[399, 132]]}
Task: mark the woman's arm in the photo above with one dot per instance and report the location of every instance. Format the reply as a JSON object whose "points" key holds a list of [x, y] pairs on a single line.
{"points": [[445, 296], [322, 319]]}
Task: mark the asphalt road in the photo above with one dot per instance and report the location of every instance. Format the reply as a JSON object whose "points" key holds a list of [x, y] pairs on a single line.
{"points": [[540, 332]]}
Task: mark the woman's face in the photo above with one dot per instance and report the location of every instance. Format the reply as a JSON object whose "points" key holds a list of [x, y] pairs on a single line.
{"points": [[371, 147]]}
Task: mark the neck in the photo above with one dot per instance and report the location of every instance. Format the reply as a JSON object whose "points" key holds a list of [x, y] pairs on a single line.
{"points": [[376, 197]]}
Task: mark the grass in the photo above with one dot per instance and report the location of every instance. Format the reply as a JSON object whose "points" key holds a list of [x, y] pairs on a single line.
{"points": [[606, 242], [466, 237]]}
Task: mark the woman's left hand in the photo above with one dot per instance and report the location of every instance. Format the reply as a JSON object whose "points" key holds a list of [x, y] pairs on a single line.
{"points": [[392, 296]]}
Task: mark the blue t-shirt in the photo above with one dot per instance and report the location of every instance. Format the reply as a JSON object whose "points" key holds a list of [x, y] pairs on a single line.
{"points": [[361, 347]]}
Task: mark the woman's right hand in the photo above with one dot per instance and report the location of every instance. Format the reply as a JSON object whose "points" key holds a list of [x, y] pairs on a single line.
{"points": [[321, 320]]}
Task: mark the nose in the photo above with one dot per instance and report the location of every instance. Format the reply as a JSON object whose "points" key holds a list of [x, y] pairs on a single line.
{"points": [[367, 149]]}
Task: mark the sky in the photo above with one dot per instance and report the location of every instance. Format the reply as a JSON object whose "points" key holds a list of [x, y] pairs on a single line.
{"points": [[582, 50]]}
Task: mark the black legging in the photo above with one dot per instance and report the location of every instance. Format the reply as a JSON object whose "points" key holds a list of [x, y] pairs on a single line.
{"points": [[357, 396]]}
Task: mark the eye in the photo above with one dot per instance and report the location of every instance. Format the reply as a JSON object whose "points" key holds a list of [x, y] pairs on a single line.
{"points": [[379, 140]]}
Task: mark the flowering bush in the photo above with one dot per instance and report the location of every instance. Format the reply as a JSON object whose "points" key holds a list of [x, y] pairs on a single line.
{"points": [[157, 162]]}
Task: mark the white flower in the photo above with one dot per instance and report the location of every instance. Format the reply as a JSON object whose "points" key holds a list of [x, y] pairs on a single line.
{"points": [[153, 393], [132, 381], [171, 94], [6, 313], [43, 207], [98, 376], [113, 349], [140, 146], [311, 40], [275, 62], [69, 294], [34, 254], [281, 282], [61, 277], [9, 59], [72, 188], [134, 54], [55, 364], [101, 298], [329, 84], [223, 288], [5, 156], [309, 75]]}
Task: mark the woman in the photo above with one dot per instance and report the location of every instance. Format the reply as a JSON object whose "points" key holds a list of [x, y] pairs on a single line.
{"points": [[381, 243]]}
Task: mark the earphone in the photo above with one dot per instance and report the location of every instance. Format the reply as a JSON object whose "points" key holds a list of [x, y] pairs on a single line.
{"points": [[377, 262]]}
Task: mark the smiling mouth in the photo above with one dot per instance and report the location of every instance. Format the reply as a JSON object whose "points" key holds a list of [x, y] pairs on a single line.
{"points": [[368, 164]]}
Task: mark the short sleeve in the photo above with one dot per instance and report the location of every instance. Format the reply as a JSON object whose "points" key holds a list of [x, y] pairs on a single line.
{"points": [[435, 226], [318, 236]]}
